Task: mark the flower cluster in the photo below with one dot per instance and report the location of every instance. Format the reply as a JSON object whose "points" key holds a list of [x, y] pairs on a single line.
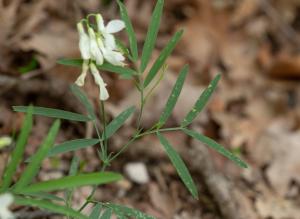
{"points": [[97, 47]]}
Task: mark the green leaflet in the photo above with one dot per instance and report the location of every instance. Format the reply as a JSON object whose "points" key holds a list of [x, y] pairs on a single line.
{"points": [[114, 125], [72, 172], [49, 206], [130, 31], [173, 96], [72, 145], [18, 152], [107, 214], [54, 113], [179, 166], [95, 214], [201, 102], [151, 34], [214, 145], [44, 195], [72, 182], [34, 166], [124, 212], [69, 146], [162, 57], [84, 100], [122, 71]]}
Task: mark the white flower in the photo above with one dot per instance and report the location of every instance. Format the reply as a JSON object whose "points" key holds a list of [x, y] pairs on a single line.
{"points": [[113, 26], [84, 42], [85, 67], [99, 81], [99, 46], [94, 47], [5, 201]]}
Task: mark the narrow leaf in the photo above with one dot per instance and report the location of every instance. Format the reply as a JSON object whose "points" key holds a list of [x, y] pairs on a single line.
{"points": [[54, 113], [107, 214], [201, 102], [18, 152], [121, 210], [179, 166], [124, 72], [173, 96], [72, 182], [95, 214], [50, 207], [130, 31], [151, 34], [72, 172], [162, 57], [114, 125], [44, 195], [72, 145], [214, 145], [84, 100], [34, 166]]}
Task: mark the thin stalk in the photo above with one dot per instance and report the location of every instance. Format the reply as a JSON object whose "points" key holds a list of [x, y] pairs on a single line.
{"points": [[103, 117], [141, 86], [135, 137], [87, 200]]}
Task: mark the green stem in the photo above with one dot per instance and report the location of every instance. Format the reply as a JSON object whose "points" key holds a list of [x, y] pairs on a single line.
{"points": [[141, 86], [137, 135], [103, 117]]}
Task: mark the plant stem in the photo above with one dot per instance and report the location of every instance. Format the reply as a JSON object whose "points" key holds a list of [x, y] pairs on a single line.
{"points": [[137, 135], [141, 86]]}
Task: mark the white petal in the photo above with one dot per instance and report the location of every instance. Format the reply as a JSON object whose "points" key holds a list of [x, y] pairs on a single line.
{"points": [[99, 81], [83, 42], [113, 57], [115, 26], [80, 80], [100, 23], [6, 214], [110, 42], [84, 46], [103, 93], [6, 200], [94, 48]]}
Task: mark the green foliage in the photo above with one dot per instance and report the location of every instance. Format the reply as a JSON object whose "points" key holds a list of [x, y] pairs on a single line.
{"points": [[219, 148], [162, 57], [173, 96], [151, 34], [72, 145], [114, 125], [179, 165], [34, 166], [201, 102], [123, 212], [95, 214], [72, 182], [18, 152], [84, 100], [53, 113], [50, 206], [130, 31]]}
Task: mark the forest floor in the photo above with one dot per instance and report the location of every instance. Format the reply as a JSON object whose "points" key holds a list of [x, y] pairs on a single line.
{"points": [[255, 111]]}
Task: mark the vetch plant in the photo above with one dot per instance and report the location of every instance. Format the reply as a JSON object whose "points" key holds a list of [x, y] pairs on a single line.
{"points": [[102, 52]]}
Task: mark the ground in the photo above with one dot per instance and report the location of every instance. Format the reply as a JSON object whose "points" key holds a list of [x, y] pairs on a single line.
{"points": [[255, 111]]}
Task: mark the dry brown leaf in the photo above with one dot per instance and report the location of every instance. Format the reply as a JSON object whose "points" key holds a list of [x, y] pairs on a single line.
{"points": [[278, 148]]}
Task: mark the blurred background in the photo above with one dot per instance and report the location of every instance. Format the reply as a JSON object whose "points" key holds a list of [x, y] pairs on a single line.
{"points": [[255, 111]]}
